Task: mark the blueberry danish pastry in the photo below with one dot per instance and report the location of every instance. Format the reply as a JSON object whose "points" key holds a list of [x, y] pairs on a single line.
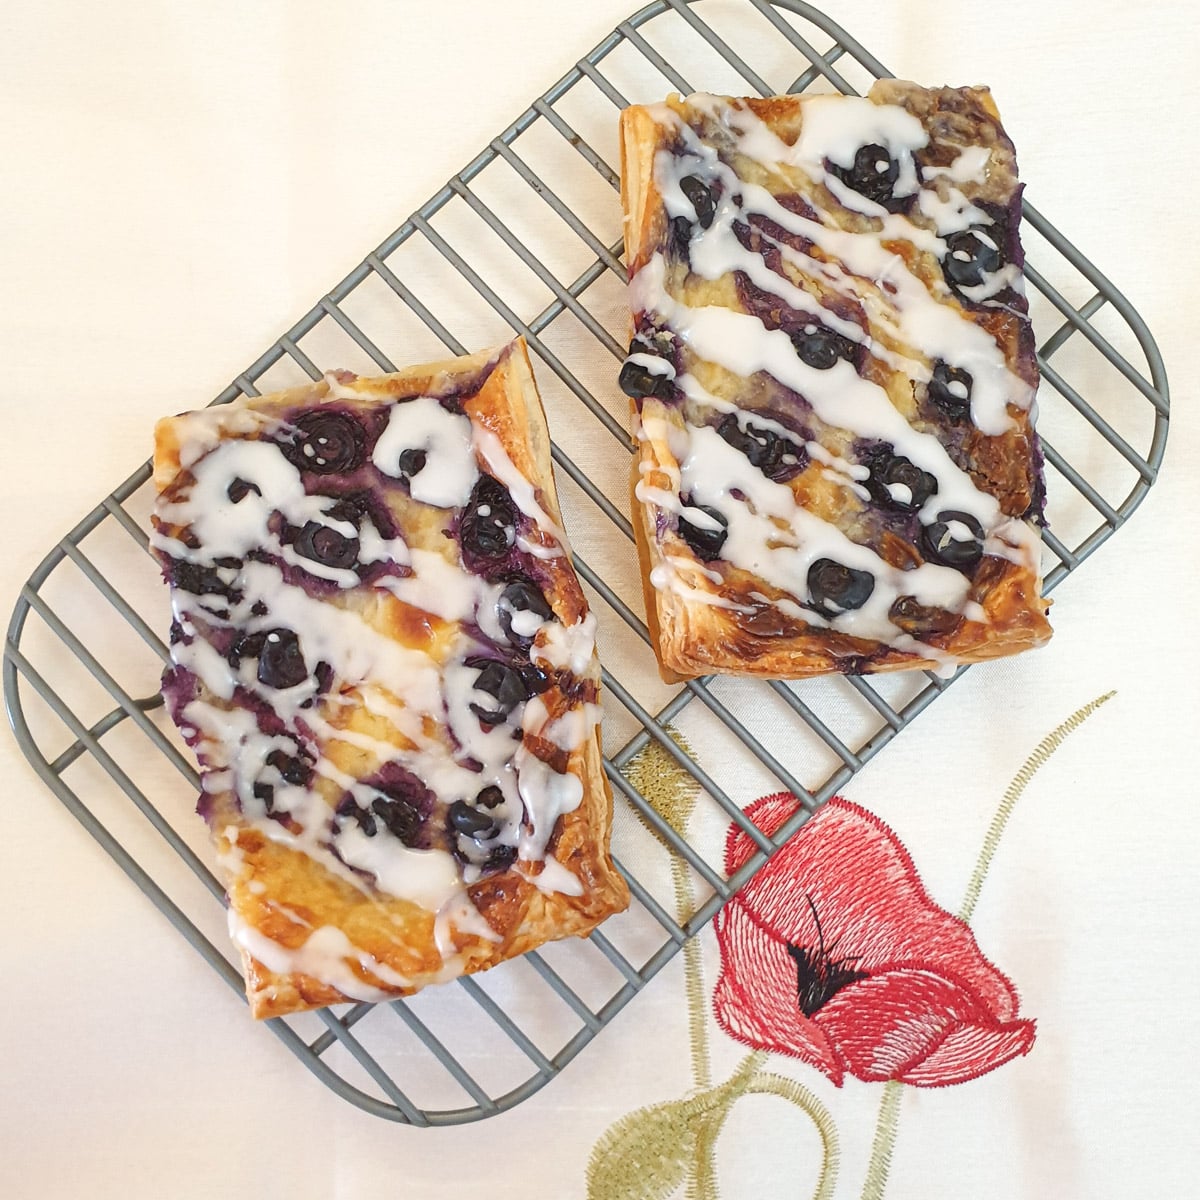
{"points": [[832, 378], [385, 664]]}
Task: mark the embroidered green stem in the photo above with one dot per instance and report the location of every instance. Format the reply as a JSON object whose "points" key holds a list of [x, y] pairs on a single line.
{"points": [[885, 1140], [889, 1107], [675, 1142], [767, 1083], [673, 792], [1046, 747], [693, 975], [702, 1171]]}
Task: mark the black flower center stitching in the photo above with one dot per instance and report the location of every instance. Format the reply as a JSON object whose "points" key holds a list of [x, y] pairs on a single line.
{"points": [[820, 976]]}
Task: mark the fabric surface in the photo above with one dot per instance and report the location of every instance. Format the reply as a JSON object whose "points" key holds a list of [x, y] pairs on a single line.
{"points": [[182, 183]]}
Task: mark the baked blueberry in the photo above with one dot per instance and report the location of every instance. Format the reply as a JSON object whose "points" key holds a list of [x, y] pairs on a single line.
{"points": [[202, 581], [280, 660], [470, 822], [763, 448], [955, 539], [950, 389], [507, 686], [499, 858], [873, 174], [326, 545], [239, 489], [705, 540], [701, 197], [678, 240], [291, 767], [971, 255], [326, 443], [490, 797], [777, 457], [400, 804], [897, 483], [834, 588], [637, 380], [820, 347], [412, 462], [921, 620], [522, 601], [397, 816], [489, 521]]}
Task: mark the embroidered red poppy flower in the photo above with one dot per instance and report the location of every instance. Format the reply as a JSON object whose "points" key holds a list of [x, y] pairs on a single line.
{"points": [[834, 953]]}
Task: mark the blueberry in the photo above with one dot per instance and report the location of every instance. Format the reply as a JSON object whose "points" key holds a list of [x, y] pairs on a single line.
{"points": [[291, 768], [834, 588], [776, 457], [890, 470], [294, 770], [921, 620], [679, 238], [202, 581], [326, 545], [490, 797], [701, 197], [971, 255], [471, 822], [944, 540], [265, 793], [521, 596], [280, 662], [400, 805], [820, 347], [400, 818], [508, 686], [500, 858], [950, 389], [412, 462], [873, 174], [327, 443], [239, 489], [489, 520], [706, 543], [638, 381]]}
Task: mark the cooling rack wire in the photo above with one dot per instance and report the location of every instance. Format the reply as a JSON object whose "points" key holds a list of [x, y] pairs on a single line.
{"points": [[525, 239]]}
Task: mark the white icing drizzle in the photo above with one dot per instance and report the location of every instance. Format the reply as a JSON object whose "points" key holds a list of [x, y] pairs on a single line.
{"points": [[768, 534], [490, 449], [554, 877], [449, 472], [323, 955], [454, 757]]}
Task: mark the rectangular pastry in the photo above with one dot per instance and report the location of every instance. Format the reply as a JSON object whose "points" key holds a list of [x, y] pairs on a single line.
{"points": [[832, 380], [385, 664]]}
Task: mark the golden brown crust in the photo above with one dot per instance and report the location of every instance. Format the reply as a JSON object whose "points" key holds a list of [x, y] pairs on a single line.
{"points": [[279, 894], [719, 618]]}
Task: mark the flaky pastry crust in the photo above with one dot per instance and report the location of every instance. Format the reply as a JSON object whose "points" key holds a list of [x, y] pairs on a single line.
{"points": [[318, 926], [755, 209]]}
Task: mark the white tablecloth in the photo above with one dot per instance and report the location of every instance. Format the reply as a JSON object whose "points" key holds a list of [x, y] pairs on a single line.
{"points": [[180, 182]]}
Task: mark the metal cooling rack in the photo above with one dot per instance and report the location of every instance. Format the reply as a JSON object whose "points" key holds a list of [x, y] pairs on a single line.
{"points": [[515, 1041]]}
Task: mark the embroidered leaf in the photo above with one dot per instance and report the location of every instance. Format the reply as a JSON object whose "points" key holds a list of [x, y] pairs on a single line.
{"points": [[666, 785], [648, 1153]]}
